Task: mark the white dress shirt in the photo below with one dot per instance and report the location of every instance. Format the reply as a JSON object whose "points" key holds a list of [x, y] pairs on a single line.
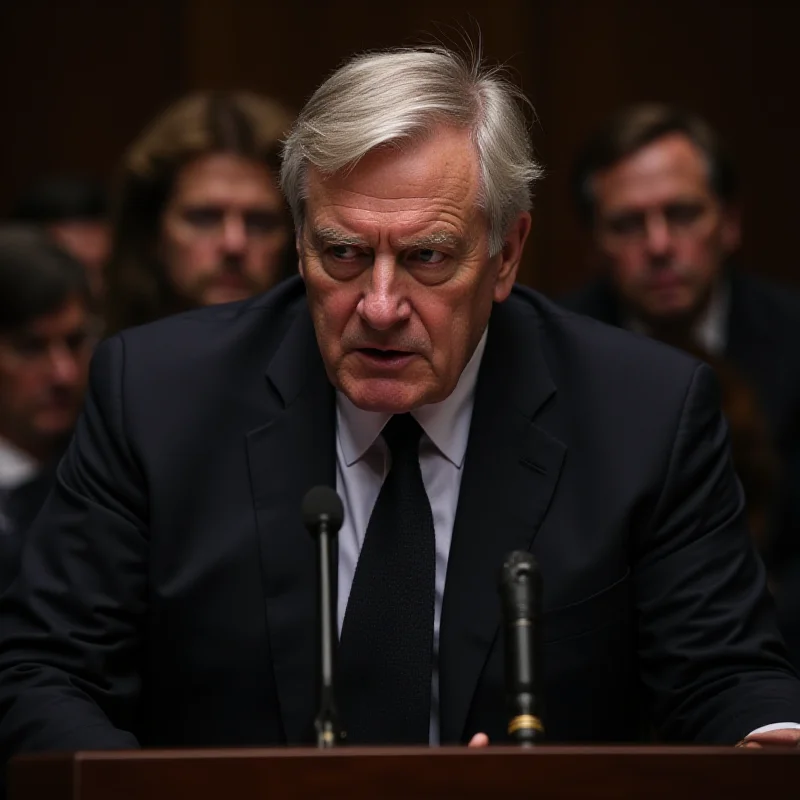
{"points": [[362, 463], [16, 468]]}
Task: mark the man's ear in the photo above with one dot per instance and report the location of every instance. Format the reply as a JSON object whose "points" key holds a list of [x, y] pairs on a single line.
{"points": [[510, 256], [298, 244], [731, 227]]}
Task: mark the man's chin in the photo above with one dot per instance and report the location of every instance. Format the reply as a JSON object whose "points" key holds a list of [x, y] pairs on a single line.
{"points": [[52, 426], [386, 396], [670, 308], [216, 295]]}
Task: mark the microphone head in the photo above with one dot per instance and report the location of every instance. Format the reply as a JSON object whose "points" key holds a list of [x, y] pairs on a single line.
{"points": [[518, 566], [322, 504], [520, 586]]}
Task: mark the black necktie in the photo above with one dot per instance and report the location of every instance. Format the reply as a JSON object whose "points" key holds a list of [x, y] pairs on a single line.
{"points": [[386, 648]]}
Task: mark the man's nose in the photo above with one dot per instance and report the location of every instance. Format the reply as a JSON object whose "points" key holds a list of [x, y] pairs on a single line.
{"points": [[658, 237], [234, 234], [64, 366], [383, 304]]}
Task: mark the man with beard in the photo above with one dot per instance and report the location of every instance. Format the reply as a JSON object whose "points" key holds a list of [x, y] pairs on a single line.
{"points": [[44, 362], [659, 191], [199, 217]]}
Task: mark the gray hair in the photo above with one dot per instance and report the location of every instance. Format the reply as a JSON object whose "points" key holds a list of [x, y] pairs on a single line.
{"points": [[405, 94]]}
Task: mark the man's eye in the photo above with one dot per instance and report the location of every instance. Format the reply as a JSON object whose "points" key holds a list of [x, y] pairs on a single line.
{"points": [[29, 347], [428, 256], [683, 214], [627, 225], [203, 217], [344, 252], [262, 221], [77, 340]]}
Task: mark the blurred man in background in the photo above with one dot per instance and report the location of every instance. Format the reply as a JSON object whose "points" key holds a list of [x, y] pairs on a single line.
{"points": [[659, 192], [199, 216], [45, 349], [74, 211]]}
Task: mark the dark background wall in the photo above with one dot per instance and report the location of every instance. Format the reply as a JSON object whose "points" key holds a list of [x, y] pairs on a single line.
{"points": [[81, 77]]}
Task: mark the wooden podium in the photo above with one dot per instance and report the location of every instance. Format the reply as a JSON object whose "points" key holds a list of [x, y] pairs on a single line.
{"points": [[611, 773]]}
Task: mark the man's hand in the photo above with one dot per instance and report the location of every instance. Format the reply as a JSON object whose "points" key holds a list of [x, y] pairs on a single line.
{"points": [[783, 737]]}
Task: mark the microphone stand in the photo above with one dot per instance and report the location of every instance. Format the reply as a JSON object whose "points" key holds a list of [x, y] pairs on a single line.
{"points": [[326, 724], [520, 588]]}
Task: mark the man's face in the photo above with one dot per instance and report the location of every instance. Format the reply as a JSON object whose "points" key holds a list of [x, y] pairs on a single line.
{"points": [[43, 372], [223, 230], [394, 254], [662, 230]]}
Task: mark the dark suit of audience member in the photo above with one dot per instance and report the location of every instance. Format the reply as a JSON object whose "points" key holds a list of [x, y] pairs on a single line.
{"points": [[759, 335], [19, 507], [658, 190], [788, 561], [44, 357]]}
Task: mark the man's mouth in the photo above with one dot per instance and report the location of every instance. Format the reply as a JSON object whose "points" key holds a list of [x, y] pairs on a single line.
{"points": [[390, 359]]}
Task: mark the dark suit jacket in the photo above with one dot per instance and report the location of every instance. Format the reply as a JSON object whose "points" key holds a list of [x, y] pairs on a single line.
{"points": [[21, 508], [167, 591], [763, 332]]}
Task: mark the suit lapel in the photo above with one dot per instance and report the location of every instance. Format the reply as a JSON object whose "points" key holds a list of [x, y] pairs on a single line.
{"points": [[292, 452], [510, 472]]}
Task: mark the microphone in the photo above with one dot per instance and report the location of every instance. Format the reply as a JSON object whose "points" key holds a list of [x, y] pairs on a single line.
{"points": [[520, 587], [323, 515]]}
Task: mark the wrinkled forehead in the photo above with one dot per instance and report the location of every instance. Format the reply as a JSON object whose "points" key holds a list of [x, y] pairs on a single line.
{"points": [[438, 176], [664, 170]]}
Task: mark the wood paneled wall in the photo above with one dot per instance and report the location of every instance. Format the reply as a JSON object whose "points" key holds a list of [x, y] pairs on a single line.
{"points": [[81, 77]]}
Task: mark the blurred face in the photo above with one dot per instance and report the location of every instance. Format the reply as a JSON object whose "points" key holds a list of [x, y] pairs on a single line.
{"points": [[90, 243], [223, 230], [661, 229], [43, 371], [394, 254]]}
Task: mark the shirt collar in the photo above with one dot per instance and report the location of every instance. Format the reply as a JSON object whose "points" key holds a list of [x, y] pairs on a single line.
{"points": [[446, 423], [710, 331], [16, 466]]}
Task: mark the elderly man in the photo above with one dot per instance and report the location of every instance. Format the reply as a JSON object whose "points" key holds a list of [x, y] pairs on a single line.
{"points": [[459, 418]]}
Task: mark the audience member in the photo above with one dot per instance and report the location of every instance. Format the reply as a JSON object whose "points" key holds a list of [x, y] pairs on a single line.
{"points": [[659, 191], [74, 210], [44, 358], [199, 218]]}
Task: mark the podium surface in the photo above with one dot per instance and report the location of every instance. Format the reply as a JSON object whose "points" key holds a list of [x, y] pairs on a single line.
{"points": [[610, 773]]}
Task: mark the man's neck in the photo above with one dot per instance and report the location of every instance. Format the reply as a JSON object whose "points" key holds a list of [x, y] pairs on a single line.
{"points": [[40, 450], [704, 328]]}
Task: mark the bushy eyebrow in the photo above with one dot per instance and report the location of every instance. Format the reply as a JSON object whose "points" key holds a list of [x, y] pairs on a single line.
{"points": [[431, 241], [334, 237]]}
